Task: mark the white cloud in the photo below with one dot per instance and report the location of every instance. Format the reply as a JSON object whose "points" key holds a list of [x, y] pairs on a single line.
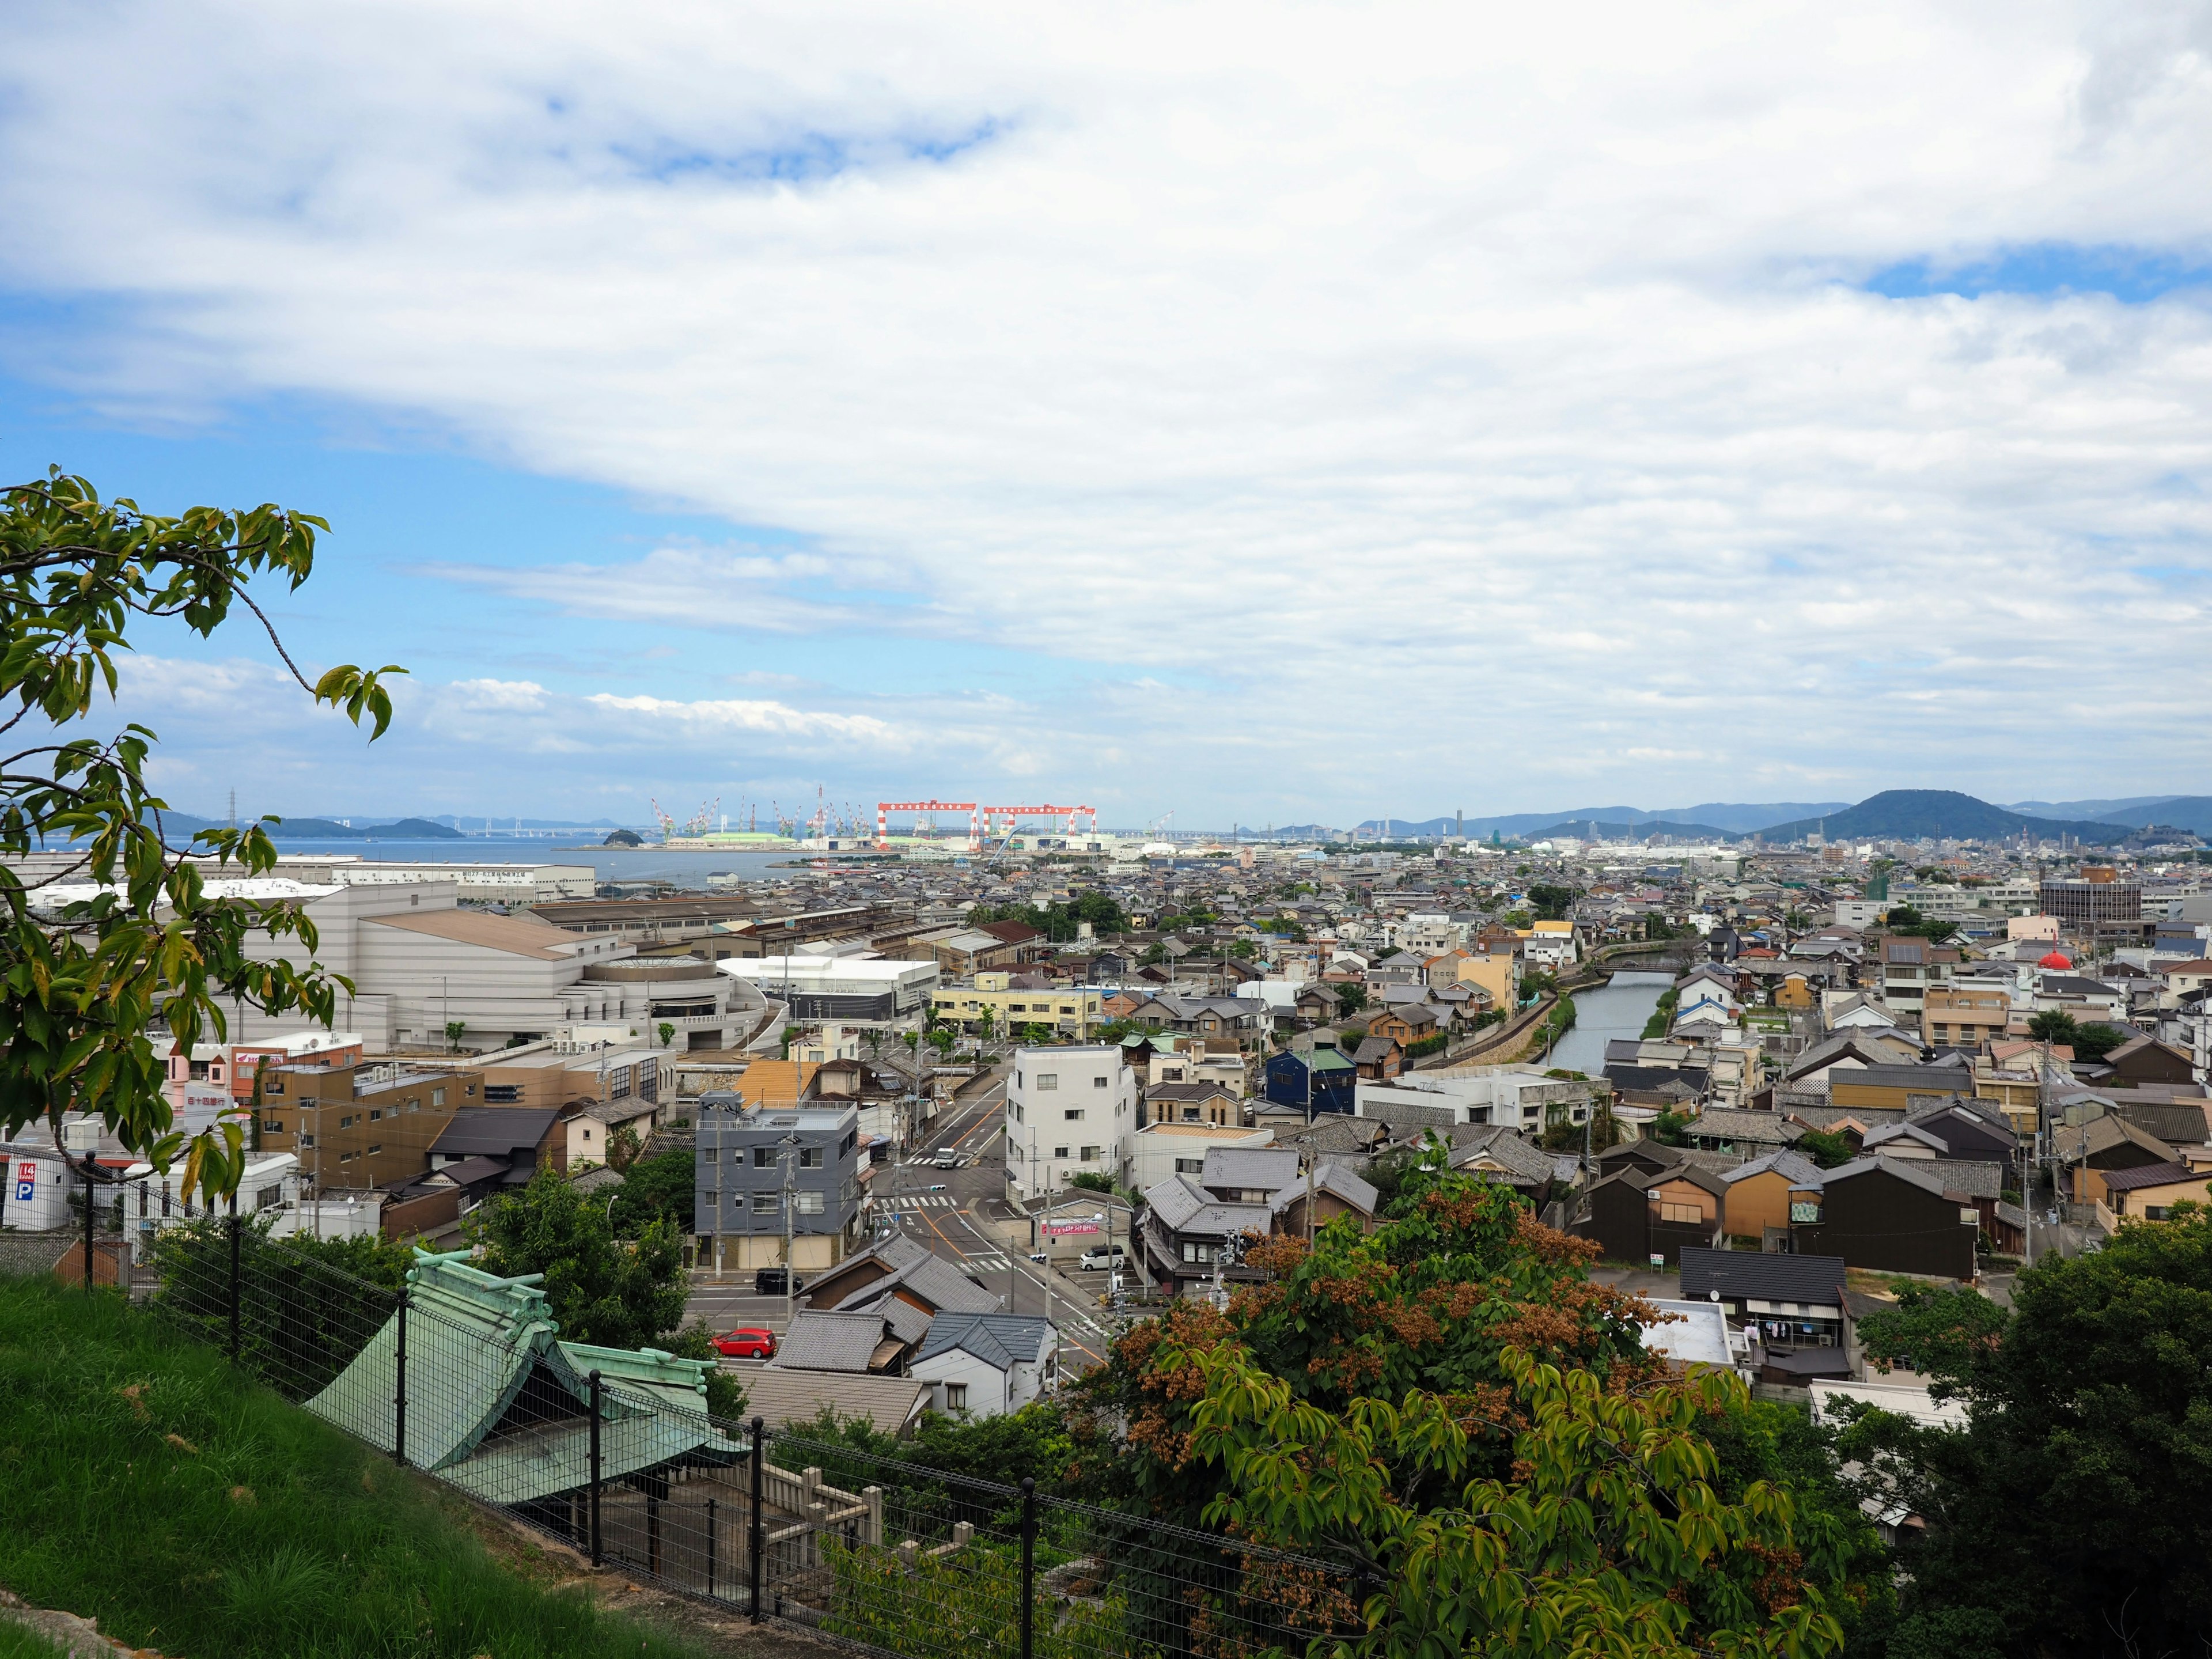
{"points": [[1446, 375]]}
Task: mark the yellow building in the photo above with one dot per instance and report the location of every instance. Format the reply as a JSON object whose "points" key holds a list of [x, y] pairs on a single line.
{"points": [[1070, 1012], [1492, 971]]}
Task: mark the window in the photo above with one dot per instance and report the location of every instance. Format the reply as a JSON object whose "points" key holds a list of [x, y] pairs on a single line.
{"points": [[1075, 1116], [502, 1094], [1048, 1080], [1016, 1110], [1190, 1114], [767, 1203], [1090, 1154], [1190, 1166], [272, 1126], [375, 1113], [587, 1135], [710, 1201], [956, 1396], [1194, 1250], [621, 1083], [1688, 1215], [1098, 1082], [1060, 1151], [305, 1141], [807, 1203], [810, 1157], [763, 1158], [437, 1097], [374, 1147], [267, 1198], [347, 1121], [348, 1157], [272, 1085]]}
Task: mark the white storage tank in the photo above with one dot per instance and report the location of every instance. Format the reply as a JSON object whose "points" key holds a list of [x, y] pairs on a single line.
{"points": [[37, 1194]]}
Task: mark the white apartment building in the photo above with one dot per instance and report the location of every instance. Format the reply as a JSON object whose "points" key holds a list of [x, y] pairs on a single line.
{"points": [[1069, 1111]]}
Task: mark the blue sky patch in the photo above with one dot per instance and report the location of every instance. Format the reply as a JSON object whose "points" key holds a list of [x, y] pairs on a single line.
{"points": [[2134, 276]]}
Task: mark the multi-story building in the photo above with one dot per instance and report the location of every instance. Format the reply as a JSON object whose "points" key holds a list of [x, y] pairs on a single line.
{"points": [[1069, 1111], [552, 1078], [1964, 1017], [1069, 1011], [2097, 894], [218, 1077], [355, 1127], [1909, 968], [741, 1154]]}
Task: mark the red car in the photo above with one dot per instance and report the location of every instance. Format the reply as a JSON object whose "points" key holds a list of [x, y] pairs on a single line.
{"points": [[747, 1342]]}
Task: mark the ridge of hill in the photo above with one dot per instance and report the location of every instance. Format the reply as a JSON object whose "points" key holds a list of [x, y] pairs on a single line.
{"points": [[1917, 814]]}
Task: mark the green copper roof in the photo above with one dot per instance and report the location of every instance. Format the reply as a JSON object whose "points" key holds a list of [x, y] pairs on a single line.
{"points": [[498, 1406]]}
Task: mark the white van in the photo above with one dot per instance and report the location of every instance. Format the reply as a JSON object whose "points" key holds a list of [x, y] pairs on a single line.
{"points": [[1100, 1255]]}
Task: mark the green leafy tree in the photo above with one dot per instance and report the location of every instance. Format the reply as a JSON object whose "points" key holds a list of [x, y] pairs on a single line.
{"points": [[1671, 1128], [1451, 1408], [1904, 919], [2096, 1039], [1351, 996], [622, 1148], [667, 1032], [86, 980], [656, 1189], [1824, 1147], [2054, 1025], [2069, 1517], [603, 1292], [1551, 902], [455, 1030]]}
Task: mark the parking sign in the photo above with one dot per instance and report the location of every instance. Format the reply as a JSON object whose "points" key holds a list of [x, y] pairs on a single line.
{"points": [[26, 1182]]}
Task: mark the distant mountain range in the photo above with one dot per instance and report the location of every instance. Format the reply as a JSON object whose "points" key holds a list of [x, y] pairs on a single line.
{"points": [[1894, 814], [181, 827]]}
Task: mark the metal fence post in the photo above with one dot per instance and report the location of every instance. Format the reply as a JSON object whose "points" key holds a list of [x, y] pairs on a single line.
{"points": [[399, 1387], [1028, 1567], [597, 1554], [233, 1277], [711, 1542], [760, 1466]]}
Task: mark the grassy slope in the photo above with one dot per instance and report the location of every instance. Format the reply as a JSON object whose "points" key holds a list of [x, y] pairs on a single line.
{"points": [[202, 1514]]}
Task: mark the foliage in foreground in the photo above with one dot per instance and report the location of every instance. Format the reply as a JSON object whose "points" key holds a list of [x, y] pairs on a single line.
{"points": [[1450, 1409], [2070, 1516], [150, 1487], [82, 983]]}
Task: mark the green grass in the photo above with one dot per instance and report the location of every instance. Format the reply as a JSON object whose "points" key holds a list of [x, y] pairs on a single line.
{"points": [[16, 1643], [200, 1514]]}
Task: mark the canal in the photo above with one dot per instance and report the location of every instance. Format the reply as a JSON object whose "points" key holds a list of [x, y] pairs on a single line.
{"points": [[1618, 1008]]}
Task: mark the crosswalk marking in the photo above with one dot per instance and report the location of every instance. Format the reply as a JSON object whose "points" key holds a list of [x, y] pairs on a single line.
{"points": [[927, 1202]]}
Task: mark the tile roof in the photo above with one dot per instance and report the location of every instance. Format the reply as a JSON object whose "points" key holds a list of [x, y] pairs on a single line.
{"points": [[2148, 1175], [1266, 1169], [499, 1131], [830, 1341], [1002, 1341], [1738, 1273]]}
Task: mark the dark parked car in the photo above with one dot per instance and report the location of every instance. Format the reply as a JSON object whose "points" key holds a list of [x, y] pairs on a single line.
{"points": [[769, 1281]]}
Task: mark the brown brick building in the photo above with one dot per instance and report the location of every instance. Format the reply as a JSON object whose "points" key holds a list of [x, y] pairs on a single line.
{"points": [[357, 1127]]}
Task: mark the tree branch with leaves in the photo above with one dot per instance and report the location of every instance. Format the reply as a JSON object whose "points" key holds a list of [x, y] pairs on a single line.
{"points": [[127, 938]]}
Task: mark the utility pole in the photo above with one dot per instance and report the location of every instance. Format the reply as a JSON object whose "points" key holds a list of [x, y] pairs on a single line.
{"points": [[790, 1145]]}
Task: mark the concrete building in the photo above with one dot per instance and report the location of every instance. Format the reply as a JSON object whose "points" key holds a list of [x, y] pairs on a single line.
{"points": [[548, 1077], [1069, 1111], [218, 1077], [839, 987], [2097, 894], [1069, 1011], [740, 1157], [518, 882], [420, 964], [355, 1127]]}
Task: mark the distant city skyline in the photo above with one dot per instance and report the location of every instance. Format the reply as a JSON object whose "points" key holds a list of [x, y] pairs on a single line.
{"points": [[1226, 414]]}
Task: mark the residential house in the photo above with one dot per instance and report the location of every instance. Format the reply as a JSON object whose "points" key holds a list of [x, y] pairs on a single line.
{"points": [[1192, 1103], [1894, 1086], [1068, 1110], [986, 1364], [2145, 1059], [1797, 1301], [1770, 1195], [1378, 1058], [2149, 1190], [1910, 967], [739, 1155], [1407, 1024], [1959, 1016], [1636, 1214], [1747, 1134], [1878, 1212], [1319, 1078], [2102, 1146]]}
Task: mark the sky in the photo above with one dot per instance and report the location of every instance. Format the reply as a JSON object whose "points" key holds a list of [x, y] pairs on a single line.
{"points": [[1249, 412]]}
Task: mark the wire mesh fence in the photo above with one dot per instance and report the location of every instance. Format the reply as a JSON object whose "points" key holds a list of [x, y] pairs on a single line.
{"points": [[610, 1452]]}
